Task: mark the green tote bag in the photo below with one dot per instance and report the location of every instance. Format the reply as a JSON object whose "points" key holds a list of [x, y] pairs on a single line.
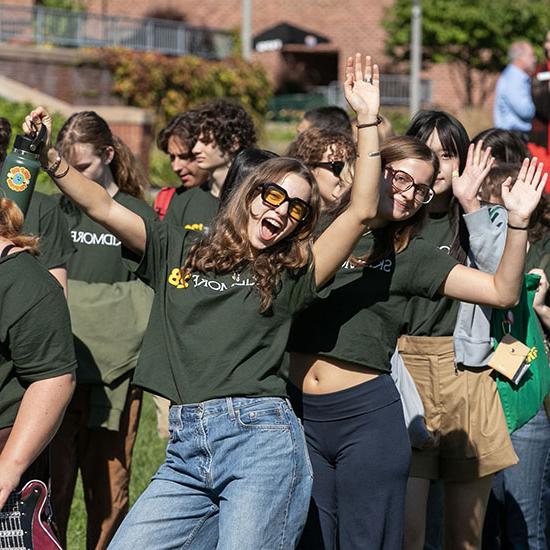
{"points": [[521, 402]]}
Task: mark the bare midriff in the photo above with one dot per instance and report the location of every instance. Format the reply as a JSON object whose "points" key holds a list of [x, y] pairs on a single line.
{"points": [[315, 374]]}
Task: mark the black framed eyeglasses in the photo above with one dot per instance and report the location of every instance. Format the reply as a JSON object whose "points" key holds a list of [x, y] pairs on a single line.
{"points": [[401, 182], [335, 166], [275, 195]]}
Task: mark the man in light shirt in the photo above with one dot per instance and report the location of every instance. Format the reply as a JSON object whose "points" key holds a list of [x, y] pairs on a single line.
{"points": [[514, 107]]}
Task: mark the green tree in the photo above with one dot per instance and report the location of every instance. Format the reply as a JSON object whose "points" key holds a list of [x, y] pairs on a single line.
{"points": [[472, 35]]}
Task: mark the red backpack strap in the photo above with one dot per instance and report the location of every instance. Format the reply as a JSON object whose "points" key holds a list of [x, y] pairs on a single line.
{"points": [[162, 200]]}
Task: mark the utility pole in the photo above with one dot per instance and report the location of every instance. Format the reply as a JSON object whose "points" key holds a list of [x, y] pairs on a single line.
{"points": [[246, 29], [416, 56]]}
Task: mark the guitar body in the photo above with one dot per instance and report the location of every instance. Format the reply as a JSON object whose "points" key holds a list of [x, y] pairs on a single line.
{"points": [[23, 521]]}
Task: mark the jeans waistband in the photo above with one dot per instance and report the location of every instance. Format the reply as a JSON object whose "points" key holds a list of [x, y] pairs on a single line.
{"points": [[360, 399], [222, 405]]}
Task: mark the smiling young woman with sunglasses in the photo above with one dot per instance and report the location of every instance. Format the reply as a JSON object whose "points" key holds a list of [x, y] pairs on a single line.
{"points": [[340, 381], [327, 153], [236, 473]]}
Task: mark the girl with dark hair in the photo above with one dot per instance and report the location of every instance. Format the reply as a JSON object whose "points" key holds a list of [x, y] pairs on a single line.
{"points": [[506, 147], [109, 311], [236, 472], [37, 361], [341, 386], [447, 345], [242, 166]]}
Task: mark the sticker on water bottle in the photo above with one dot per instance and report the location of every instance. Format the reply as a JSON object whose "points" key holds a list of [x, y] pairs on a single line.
{"points": [[18, 178]]}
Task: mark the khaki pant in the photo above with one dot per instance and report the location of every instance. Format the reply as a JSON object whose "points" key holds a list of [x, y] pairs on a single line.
{"points": [[162, 408], [104, 458], [463, 407]]}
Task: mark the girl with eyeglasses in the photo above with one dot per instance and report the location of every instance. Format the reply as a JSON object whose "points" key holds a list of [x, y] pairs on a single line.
{"points": [[447, 347], [341, 349], [236, 473], [329, 154]]}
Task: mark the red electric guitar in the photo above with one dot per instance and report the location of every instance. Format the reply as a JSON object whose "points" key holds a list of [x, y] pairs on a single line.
{"points": [[24, 521]]}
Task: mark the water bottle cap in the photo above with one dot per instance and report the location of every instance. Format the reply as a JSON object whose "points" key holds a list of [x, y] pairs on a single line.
{"points": [[24, 143], [32, 143]]}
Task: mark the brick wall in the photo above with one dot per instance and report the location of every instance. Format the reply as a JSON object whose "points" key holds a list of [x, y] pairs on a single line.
{"points": [[52, 71], [353, 25]]}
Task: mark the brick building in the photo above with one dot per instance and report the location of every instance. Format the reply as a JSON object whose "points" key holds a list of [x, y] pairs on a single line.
{"points": [[350, 25], [347, 25]]}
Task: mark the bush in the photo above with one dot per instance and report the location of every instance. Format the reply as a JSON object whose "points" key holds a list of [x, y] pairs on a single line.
{"points": [[170, 85]]}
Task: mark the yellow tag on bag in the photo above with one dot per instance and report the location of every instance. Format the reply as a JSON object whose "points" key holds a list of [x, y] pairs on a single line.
{"points": [[511, 358]]}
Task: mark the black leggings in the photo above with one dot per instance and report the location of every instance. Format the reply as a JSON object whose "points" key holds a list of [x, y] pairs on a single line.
{"points": [[360, 453]]}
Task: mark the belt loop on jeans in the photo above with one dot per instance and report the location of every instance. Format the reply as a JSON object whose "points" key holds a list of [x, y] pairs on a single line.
{"points": [[230, 408]]}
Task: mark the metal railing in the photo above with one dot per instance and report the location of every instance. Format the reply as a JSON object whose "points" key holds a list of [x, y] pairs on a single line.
{"points": [[394, 91], [64, 28]]}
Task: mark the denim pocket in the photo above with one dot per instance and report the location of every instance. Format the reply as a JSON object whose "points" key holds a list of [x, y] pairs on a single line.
{"points": [[262, 416]]}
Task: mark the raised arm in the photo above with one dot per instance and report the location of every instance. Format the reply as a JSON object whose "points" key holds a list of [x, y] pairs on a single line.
{"points": [[92, 198], [362, 91], [502, 289]]}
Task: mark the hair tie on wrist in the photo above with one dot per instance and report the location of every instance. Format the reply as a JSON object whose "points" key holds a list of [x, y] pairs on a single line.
{"points": [[518, 228], [379, 120]]}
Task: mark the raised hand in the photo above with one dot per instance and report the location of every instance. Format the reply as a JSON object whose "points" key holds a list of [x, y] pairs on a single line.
{"points": [[31, 124], [466, 185], [522, 198], [362, 88]]}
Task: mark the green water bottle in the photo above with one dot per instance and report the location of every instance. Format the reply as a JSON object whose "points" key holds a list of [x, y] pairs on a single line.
{"points": [[20, 169]]}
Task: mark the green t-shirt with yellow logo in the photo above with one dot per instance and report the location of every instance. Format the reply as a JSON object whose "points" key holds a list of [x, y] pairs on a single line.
{"points": [[362, 318], [206, 338], [98, 258], [193, 209], [35, 332], [45, 219], [436, 316]]}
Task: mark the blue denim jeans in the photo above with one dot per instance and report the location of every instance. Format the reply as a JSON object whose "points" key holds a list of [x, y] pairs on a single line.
{"points": [[236, 476], [518, 515]]}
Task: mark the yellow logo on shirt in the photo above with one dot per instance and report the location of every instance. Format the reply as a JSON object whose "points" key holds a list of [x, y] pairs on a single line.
{"points": [[176, 279], [194, 226]]}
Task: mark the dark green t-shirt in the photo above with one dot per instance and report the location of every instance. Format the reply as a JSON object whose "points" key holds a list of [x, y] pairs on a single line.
{"points": [[98, 256], [35, 332], [436, 316], [193, 209], [206, 337], [537, 254], [45, 219], [362, 318]]}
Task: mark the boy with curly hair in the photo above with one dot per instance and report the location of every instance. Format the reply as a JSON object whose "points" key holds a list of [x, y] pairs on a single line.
{"points": [[225, 129], [218, 131]]}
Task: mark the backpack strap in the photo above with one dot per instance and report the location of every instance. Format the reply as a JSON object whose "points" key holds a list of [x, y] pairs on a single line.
{"points": [[6, 250], [162, 200]]}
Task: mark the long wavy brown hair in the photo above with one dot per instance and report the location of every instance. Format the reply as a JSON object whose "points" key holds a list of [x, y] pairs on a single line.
{"points": [[227, 248], [11, 223], [89, 127]]}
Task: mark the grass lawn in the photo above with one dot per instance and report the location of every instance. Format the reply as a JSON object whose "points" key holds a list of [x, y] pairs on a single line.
{"points": [[148, 454]]}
